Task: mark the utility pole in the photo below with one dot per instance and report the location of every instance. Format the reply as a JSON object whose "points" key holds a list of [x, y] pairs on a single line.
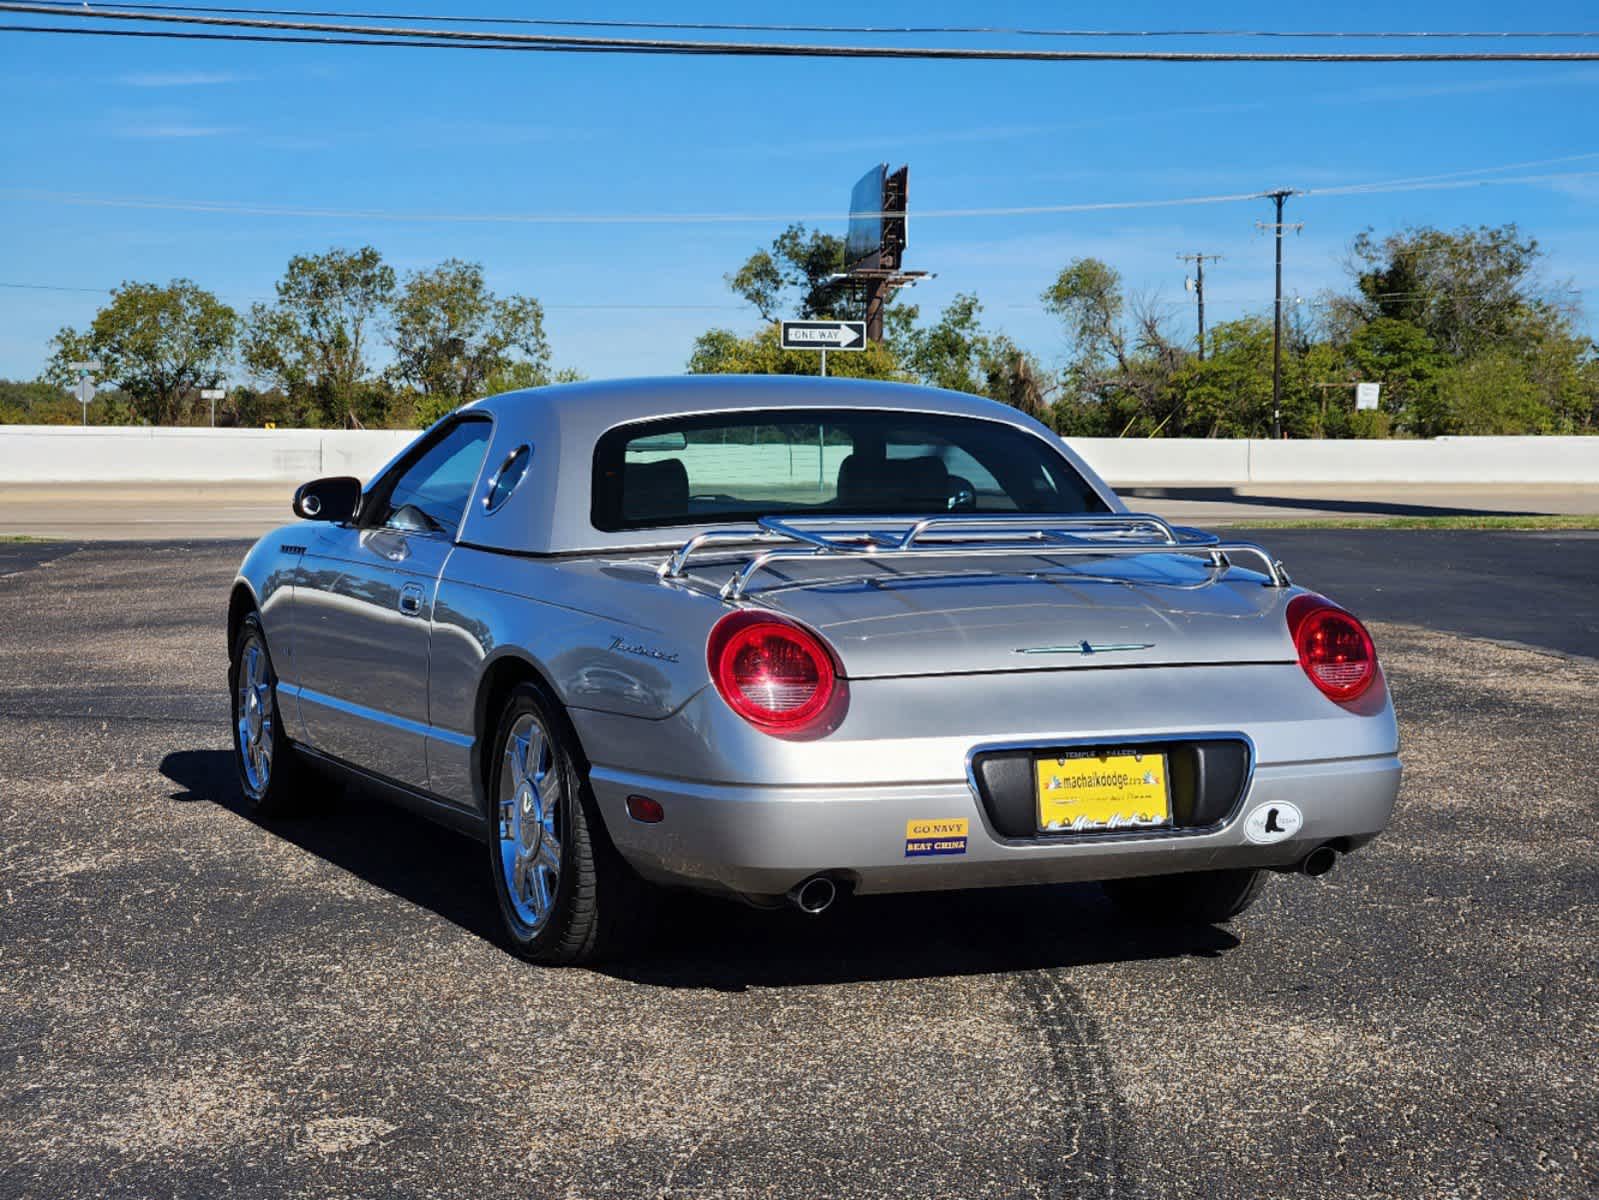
{"points": [[1199, 290], [1279, 196]]}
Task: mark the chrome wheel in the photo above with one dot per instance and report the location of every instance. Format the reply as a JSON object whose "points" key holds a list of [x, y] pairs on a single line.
{"points": [[530, 800], [253, 714]]}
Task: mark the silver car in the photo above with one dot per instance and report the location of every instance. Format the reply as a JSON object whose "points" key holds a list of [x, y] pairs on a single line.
{"points": [[785, 639]]}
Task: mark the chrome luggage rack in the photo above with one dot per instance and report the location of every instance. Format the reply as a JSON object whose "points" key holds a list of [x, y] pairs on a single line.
{"points": [[878, 538]]}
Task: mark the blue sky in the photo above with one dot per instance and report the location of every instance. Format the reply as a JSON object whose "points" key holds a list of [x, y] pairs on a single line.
{"points": [[470, 133]]}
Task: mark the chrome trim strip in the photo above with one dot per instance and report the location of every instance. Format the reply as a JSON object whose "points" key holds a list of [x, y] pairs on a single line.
{"points": [[1111, 838], [1085, 647], [377, 717]]}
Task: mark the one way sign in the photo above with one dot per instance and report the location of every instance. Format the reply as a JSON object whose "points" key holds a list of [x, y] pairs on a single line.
{"points": [[824, 335]]}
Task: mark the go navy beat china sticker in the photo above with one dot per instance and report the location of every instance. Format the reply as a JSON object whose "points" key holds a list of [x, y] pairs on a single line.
{"points": [[926, 838]]}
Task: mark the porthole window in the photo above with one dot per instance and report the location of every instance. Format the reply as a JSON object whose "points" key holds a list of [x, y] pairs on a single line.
{"points": [[503, 482]]}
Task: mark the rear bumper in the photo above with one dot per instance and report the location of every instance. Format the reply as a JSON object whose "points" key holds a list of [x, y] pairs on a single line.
{"points": [[761, 840]]}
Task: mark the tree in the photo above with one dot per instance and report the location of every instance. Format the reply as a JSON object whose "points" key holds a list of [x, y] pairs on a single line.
{"points": [[1229, 393], [949, 353], [451, 335], [158, 344], [723, 352], [515, 376], [1565, 372], [1492, 394], [1016, 379], [1123, 359], [957, 353], [1401, 357], [36, 403], [1466, 289], [1087, 297], [793, 276], [311, 343], [1441, 318]]}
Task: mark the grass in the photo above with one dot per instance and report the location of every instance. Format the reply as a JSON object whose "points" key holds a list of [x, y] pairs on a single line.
{"points": [[22, 537], [1530, 521]]}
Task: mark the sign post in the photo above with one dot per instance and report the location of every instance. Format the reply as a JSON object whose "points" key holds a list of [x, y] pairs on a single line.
{"points": [[85, 389], [823, 336], [213, 395]]}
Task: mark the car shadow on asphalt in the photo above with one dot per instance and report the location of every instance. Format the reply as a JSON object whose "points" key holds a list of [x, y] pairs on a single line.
{"points": [[702, 942], [415, 859], [699, 941]]}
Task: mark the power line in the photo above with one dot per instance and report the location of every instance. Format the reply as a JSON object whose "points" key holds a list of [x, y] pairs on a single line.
{"points": [[54, 287], [1350, 189], [584, 218], [871, 30], [432, 38], [244, 208], [104, 291]]}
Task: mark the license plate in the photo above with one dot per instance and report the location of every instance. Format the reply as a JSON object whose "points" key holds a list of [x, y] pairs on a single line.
{"points": [[1090, 791]]}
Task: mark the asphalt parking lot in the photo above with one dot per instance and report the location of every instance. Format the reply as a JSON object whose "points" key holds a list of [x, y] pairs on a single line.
{"points": [[192, 1004]]}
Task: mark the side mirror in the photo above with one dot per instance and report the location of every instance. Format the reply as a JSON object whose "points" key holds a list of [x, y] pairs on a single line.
{"points": [[336, 498]]}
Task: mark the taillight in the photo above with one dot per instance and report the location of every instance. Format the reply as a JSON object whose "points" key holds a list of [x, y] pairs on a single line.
{"points": [[1334, 649], [773, 673]]}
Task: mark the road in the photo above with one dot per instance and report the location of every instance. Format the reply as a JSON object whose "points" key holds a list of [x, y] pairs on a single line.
{"points": [[195, 1004], [1536, 588], [162, 511]]}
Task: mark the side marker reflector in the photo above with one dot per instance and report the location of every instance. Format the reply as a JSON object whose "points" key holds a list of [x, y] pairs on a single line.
{"points": [[642, 808]]}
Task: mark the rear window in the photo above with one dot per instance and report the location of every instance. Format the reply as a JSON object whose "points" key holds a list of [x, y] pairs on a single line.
{"points": [[823, 462]]}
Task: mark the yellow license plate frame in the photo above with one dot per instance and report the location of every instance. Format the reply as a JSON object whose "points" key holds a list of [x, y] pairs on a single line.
{"points": [[1102, 791]]}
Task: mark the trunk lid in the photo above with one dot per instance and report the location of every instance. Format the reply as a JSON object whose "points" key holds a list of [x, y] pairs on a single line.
{"points": [[1030, 612]]}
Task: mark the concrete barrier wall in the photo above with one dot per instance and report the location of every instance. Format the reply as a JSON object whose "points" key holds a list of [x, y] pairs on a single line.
{"points": [[1443, 460], [1165, 460], [69, 454], [1530, 460], [123, 454]]}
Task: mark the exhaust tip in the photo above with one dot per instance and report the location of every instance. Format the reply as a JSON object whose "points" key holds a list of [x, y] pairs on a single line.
{"points": [[1319, 861], [815, 896]]}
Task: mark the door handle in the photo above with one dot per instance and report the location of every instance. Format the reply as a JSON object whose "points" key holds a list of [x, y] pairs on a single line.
{"points": [[411, 599]]}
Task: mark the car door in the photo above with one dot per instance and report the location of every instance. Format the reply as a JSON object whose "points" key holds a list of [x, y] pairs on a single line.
{"points": [[363, 606]]}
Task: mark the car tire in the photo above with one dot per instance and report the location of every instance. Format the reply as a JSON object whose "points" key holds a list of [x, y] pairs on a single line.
{"points": [[1192, 898], [272, 780], [565, 895]]}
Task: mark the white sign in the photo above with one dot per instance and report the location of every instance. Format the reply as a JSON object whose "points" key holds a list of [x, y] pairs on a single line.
{"points": [[1366, 395], [824, 335], [85, 388], [213, 393]]}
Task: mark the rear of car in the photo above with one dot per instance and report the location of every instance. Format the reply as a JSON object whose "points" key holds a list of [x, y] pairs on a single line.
{"points": [[1040, 688]]}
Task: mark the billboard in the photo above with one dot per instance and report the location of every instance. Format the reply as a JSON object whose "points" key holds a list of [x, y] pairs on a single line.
{"points": [[864, 241]]}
